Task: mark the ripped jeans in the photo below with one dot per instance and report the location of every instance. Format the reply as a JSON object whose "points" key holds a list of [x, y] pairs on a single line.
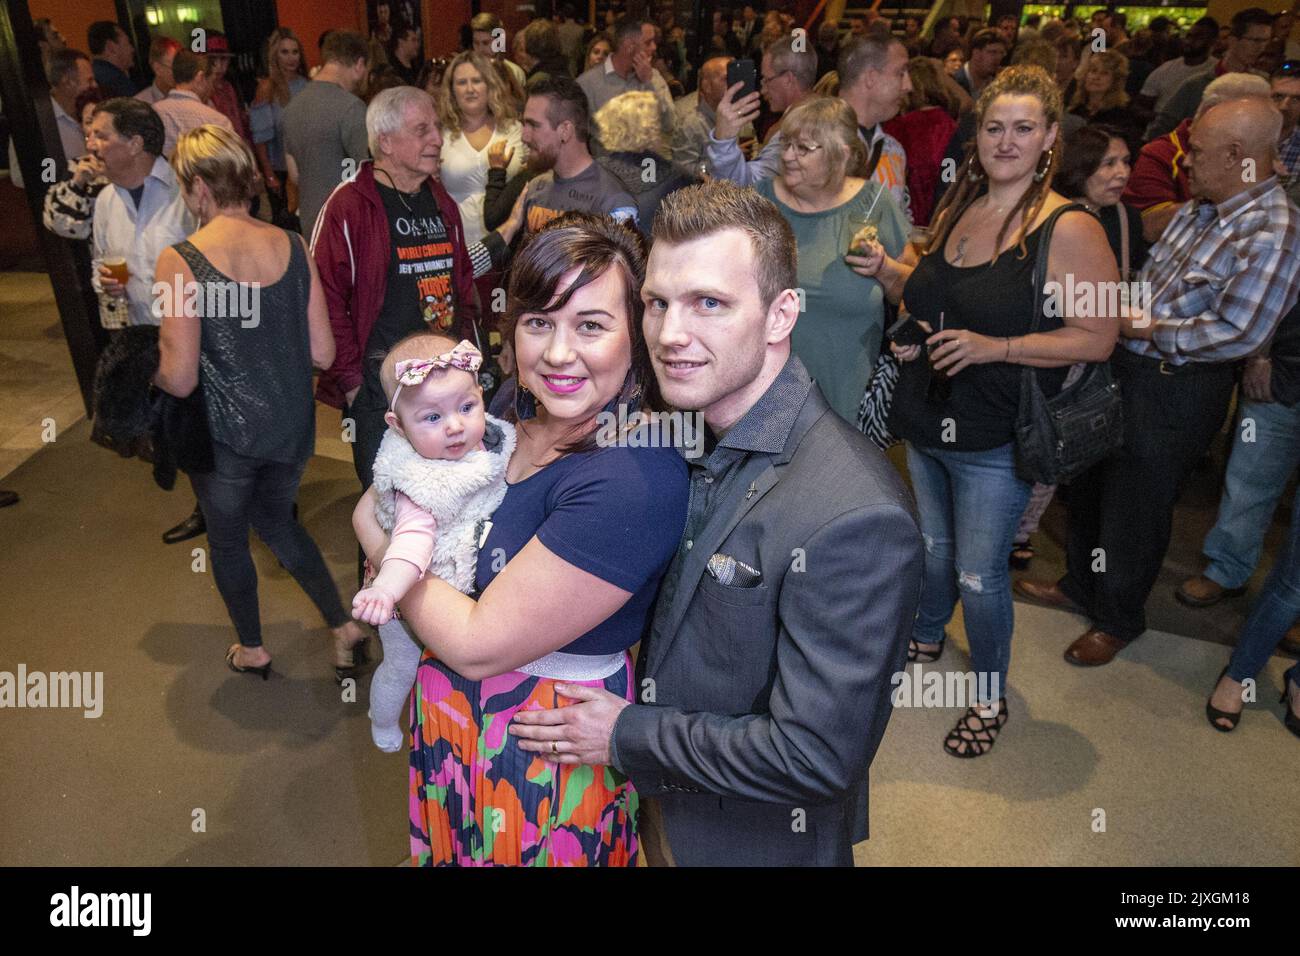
{"points": [[970, 503]]}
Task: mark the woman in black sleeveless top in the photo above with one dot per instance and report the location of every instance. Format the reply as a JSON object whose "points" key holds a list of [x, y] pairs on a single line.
{"points": [[248, 331], [972, 289]]}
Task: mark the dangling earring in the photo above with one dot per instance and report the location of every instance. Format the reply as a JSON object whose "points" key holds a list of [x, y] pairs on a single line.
{"points": [[633, 394], [525, 403], [1041, 172], [973, 171]]}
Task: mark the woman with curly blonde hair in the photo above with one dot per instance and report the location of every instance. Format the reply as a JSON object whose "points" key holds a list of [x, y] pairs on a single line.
{"points": [[956, 401], [478, 124], [638, 152], [1100, 97]]}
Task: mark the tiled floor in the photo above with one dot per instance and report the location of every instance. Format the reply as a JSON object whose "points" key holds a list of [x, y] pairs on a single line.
{"points": [[39, 398]]}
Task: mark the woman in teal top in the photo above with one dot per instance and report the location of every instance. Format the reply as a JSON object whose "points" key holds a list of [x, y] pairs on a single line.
{"points": [[820, 190]]}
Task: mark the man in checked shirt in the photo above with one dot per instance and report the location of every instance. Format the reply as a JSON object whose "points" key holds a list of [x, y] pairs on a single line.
{"points": [[1224, 272]]}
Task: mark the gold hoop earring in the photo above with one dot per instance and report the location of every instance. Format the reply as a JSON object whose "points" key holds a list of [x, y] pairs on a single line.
{"points": [[1041, 173]]}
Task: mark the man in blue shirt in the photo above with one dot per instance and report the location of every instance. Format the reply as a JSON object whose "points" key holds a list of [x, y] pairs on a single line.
{"points": [[113, 55]]}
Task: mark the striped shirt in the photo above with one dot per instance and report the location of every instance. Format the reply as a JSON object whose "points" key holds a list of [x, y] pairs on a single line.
{"points": [[1221, 277], [182, 111]]}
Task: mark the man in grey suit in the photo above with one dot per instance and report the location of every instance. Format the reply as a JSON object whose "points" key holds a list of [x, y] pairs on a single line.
{"points": [[764, 683]]}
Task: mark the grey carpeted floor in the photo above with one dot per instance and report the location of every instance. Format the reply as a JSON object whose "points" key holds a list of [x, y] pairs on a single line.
{"points": [[190, 764]]}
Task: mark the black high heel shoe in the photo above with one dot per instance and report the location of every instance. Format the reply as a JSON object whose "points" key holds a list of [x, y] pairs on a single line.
{"points": [[358, 655], [264, 670], [1291, 721], [1214, 715]]}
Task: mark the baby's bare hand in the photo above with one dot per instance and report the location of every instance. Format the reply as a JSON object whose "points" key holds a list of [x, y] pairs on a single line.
{"points": [[373, 606]]}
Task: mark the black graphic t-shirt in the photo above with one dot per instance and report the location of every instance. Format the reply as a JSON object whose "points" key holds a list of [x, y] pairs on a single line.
{"points": [[419, 293]]}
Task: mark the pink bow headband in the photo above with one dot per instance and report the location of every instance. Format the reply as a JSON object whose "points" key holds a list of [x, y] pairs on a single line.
{"points": [[464, 356]]}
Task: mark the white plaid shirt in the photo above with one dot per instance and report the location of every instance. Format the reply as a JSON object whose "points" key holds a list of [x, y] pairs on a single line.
{"points": [[1222, 276]]}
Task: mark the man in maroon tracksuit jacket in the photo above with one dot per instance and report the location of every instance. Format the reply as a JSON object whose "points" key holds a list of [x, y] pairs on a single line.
{"points": [[393, 260]]}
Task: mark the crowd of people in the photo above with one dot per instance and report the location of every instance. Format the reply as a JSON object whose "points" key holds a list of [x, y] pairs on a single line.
{"points": [[477, 256]]}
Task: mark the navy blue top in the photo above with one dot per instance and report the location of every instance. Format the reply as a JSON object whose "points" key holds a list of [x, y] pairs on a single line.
{"points": [[617, 513]]}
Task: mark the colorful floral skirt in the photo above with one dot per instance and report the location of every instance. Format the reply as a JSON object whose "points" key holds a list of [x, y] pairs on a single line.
{"points": [[477, 799]]}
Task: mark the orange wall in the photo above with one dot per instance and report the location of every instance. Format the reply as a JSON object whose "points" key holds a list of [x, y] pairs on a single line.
{"points": [[442, 22], [310, 18], [74, 17]]}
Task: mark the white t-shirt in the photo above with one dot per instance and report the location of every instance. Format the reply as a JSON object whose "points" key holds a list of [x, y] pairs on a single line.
{"points": [[1168, 76], [464, 173]]}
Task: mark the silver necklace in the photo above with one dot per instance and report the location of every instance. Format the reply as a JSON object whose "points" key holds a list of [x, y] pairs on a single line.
{"points": [[961, 242], [400, 195]]}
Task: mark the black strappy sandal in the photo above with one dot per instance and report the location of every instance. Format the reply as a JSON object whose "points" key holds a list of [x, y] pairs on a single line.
{"points": [[264, 670], [989, 727], [917, 656]]}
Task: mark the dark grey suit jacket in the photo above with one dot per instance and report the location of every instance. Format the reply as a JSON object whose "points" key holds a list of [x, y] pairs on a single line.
{"points": [[765, 705]]}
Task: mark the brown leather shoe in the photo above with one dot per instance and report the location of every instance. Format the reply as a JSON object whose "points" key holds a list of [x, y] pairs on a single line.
{"points": [[1200, 591], [1049, 595], [1094, 648]]}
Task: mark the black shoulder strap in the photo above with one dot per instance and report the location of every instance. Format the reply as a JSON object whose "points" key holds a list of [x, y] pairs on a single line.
{"points": [[877, 148], [1040, 263]]}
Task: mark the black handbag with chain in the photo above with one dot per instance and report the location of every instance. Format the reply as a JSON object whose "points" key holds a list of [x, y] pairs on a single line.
{"points": [[1062, 436]]}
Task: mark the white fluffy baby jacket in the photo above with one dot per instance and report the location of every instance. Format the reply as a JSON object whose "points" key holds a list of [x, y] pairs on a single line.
{"points": [[461, 495]]}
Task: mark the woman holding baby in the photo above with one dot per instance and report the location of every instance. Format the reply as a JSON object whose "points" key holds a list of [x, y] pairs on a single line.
{"points": [[567, 570]]}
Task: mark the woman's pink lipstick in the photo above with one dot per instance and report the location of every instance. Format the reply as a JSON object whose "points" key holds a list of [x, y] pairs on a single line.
{"points": [[563, 384]]}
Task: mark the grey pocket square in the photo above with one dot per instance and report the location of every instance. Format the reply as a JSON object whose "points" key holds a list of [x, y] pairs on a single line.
{"points": [[737, 574]]}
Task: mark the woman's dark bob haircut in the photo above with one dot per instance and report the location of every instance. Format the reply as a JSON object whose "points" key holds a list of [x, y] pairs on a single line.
{"points": [[596, 244]]}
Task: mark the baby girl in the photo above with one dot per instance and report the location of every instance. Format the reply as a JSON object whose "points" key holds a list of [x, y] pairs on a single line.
{"points": [[439, 475]]}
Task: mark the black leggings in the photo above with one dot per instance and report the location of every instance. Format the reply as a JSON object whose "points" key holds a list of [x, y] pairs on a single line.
{"points": [[241, 491]]}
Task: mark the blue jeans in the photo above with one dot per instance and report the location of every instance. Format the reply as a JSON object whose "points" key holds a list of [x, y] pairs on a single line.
{"points": [[1274, 612], [1257, 474], [970, 503]]}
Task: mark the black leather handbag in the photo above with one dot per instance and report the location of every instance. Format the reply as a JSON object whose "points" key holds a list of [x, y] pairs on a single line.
{"points": [[1062, 436]]}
